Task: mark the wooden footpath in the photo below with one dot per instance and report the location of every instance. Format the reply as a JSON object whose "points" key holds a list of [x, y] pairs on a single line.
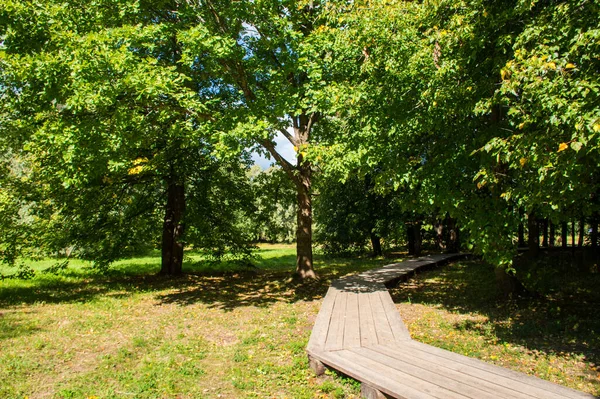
{"points": [[360, 333]]}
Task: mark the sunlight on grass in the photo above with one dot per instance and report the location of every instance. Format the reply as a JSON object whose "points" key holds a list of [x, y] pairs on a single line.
{"points": [[225, 331]]}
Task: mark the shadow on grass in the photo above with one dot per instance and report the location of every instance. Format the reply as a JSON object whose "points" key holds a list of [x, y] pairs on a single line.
{"points": [[225, 285], [14, 325], [560, 320]]}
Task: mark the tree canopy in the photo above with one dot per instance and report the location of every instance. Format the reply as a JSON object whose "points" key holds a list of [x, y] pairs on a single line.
{"points": [[120, 117]]}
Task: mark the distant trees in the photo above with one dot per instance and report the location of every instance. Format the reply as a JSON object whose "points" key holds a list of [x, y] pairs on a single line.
{"points": [[274, 217]]}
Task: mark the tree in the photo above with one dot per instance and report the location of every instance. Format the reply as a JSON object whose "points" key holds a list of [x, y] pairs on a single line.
{"points": [[110, 124], [278, 64], [476, 110]]}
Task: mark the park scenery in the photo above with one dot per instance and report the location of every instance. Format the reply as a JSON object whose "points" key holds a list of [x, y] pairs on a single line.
{"points": [[194, 192]]}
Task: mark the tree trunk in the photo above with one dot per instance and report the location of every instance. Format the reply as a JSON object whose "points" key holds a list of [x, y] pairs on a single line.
{"points": [[453, 244], [521, 236], [573, 235], [594, 234], [581, 232], [533, 239], [417, 234], [304, 254], [173, 229], [376, 244], [564, 234], [545, 233], [410, 238], [552, 234], [439, 234], [508, 284], [413, 232]]}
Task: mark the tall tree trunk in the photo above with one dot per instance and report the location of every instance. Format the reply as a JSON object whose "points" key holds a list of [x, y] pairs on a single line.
{"points": [[552, 238], [304, 254], [564, 234], [173, 229], [594, 234], [413, 233], [417, 238], [376, 244], [545, 233], [521, 235], [573, 235], [453, 244], [439, 234], [581, 232], [533, 239], [410, 238]]}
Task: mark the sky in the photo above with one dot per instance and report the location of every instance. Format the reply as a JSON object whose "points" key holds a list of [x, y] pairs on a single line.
{"points": [[284, 147]]}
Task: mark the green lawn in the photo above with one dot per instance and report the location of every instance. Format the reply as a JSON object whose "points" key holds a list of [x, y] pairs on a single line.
{"points": [[229, 331], [219, 331]]}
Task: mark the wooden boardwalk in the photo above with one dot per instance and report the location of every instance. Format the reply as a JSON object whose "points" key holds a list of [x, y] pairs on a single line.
{"points": [[359, 332]]}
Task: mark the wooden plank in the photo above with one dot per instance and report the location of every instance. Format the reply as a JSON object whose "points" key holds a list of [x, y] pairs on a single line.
{"points": [[533, 386], [397, 270], [395, 320], [384, 382], [404, 355], [381, 323], [352, 322], [335, 334], [395, 381], [368, 335], [321, 327], [425, 374]]}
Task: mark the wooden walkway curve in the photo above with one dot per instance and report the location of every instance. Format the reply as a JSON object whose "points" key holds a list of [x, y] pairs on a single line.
{"points": [[360, 333]]}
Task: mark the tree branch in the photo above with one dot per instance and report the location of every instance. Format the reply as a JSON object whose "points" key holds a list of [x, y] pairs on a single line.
{"points": [[311, 120], [288, 136], [287, 167]]}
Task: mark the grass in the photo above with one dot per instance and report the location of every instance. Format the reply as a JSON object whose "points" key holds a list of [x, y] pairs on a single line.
{"points": [[553, 335], [219, 331], [230, 331]]}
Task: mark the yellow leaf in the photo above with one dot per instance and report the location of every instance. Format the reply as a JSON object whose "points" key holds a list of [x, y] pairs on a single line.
{"points": [[523, 161], [136, 170], [570, 65], [139, 161], [562, 147], [551, 65], [521, 125], [596, 127], [503, 74], [295, 149]]}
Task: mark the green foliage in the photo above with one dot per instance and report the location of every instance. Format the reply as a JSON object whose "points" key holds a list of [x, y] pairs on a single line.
{"points": [[274, 217], [349, 214], [473, 109], [102, 114]]}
